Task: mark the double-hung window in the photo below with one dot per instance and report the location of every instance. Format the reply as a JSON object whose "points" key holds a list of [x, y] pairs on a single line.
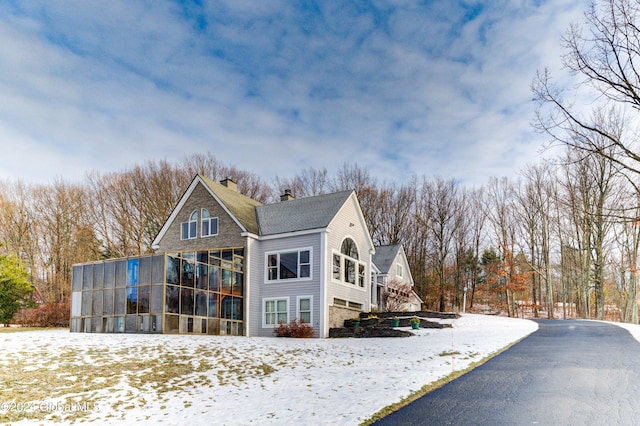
{"points": [[288, 265], [190, 228], [209, 224], [304, 306], [276, 311], [398, 270]]}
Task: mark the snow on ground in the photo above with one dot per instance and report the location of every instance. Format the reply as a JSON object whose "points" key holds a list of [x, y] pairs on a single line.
{"points": [[123, 378]]}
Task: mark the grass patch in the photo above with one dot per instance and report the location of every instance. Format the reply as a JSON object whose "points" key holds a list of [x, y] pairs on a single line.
{"points": [[75, 375], [430, 387]]}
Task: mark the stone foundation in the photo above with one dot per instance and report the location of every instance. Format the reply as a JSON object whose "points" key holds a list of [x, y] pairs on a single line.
{"points": [[338, 315]]}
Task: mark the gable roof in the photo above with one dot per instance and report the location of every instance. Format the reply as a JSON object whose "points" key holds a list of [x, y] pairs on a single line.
{"points": [[241, 207], [300, 214], [384, 257]]}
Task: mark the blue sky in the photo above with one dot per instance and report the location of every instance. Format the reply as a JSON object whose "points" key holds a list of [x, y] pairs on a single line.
{"points": [[274, 87]]}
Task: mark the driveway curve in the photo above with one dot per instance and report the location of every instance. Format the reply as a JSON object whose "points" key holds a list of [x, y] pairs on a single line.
{"points": [[566, 373]]}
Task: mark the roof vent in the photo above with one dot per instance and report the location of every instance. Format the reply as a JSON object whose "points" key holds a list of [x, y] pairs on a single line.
{"points": [[229, 183], [287, 195]]}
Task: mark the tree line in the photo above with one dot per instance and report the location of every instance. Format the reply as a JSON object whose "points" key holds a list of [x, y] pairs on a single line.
{"points": [[555, 235], [560, 239]]}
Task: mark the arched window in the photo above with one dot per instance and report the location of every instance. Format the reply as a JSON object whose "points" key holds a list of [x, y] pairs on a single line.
{"points": [[190, 228], [209, 224], [346, 265], [349, 248]]}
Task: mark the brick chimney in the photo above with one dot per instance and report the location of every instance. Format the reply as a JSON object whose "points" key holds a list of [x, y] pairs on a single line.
{"points": [[287, 195], [229, 183]]}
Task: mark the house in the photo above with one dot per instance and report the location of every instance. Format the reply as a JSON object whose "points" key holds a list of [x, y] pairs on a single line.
{"points": [[393, 276], [224, 263]]}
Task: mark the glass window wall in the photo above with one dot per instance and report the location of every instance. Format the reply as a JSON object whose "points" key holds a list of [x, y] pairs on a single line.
{"points": [[183, 292]]}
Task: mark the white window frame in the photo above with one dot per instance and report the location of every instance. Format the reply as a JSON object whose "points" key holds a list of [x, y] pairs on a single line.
{"points": [[361, 275], [399, 270], [360, 281], [210, 220], [267, 267], [189, 223], [264, 311], [299, 311]]}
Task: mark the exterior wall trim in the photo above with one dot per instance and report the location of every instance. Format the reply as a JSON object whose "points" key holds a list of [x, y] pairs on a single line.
{"points": [[324, 303], [247, 288], [291, 234]]}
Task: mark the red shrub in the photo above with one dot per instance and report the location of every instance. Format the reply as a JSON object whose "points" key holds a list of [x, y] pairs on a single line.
{"points": [[48, 315], [296, 328]]}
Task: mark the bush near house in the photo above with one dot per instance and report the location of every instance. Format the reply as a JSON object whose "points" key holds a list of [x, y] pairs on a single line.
{"points": [[47, 315], [296, 328]]}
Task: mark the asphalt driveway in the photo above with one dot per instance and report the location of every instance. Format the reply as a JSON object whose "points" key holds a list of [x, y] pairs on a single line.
{"points": [[566, 373]]}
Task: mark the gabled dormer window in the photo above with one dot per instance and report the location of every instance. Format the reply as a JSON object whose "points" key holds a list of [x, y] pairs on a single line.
{"points": [[190, 228], [209, 224]]}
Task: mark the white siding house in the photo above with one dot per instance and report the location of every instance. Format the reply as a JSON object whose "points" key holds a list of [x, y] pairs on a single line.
{"points": [[227, 264]]}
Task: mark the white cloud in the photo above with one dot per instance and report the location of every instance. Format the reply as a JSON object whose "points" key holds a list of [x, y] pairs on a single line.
{"points": [[436, 89]]}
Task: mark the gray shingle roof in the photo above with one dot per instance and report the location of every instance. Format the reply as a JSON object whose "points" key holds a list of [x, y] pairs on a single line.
{"points": [[299, 215], [385, 256]]}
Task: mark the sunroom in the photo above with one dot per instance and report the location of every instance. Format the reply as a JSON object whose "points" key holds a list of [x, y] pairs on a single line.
{"points": [[199, 292]]}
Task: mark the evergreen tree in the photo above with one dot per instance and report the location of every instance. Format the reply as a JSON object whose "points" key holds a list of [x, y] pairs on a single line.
{"points": [[15, 287]]}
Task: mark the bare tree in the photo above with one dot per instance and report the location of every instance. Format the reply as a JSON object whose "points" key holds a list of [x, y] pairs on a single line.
{"points": [[396, 295], [65, 236], [17, 221], [307, 183], [351, 176], [627, 237], [465, 260], [357, 178], [249, 184], [604, 54], [477, 218], [500, 211], [443, 203], [391, 219], [591, 191], [534, 198]]}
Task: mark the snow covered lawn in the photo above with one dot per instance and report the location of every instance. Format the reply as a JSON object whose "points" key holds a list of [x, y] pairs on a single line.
{"points": [[57, 376]]}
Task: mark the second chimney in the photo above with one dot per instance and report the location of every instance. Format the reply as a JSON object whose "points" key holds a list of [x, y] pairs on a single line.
{"points": [[287, 195], [229, 183]]}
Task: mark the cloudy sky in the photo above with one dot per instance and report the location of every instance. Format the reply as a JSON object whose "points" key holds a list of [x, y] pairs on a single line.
{"points": [[436, 87]]}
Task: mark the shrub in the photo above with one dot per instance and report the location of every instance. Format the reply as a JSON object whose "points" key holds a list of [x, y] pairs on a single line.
{"points": [[48, 315], [296, 328]]}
